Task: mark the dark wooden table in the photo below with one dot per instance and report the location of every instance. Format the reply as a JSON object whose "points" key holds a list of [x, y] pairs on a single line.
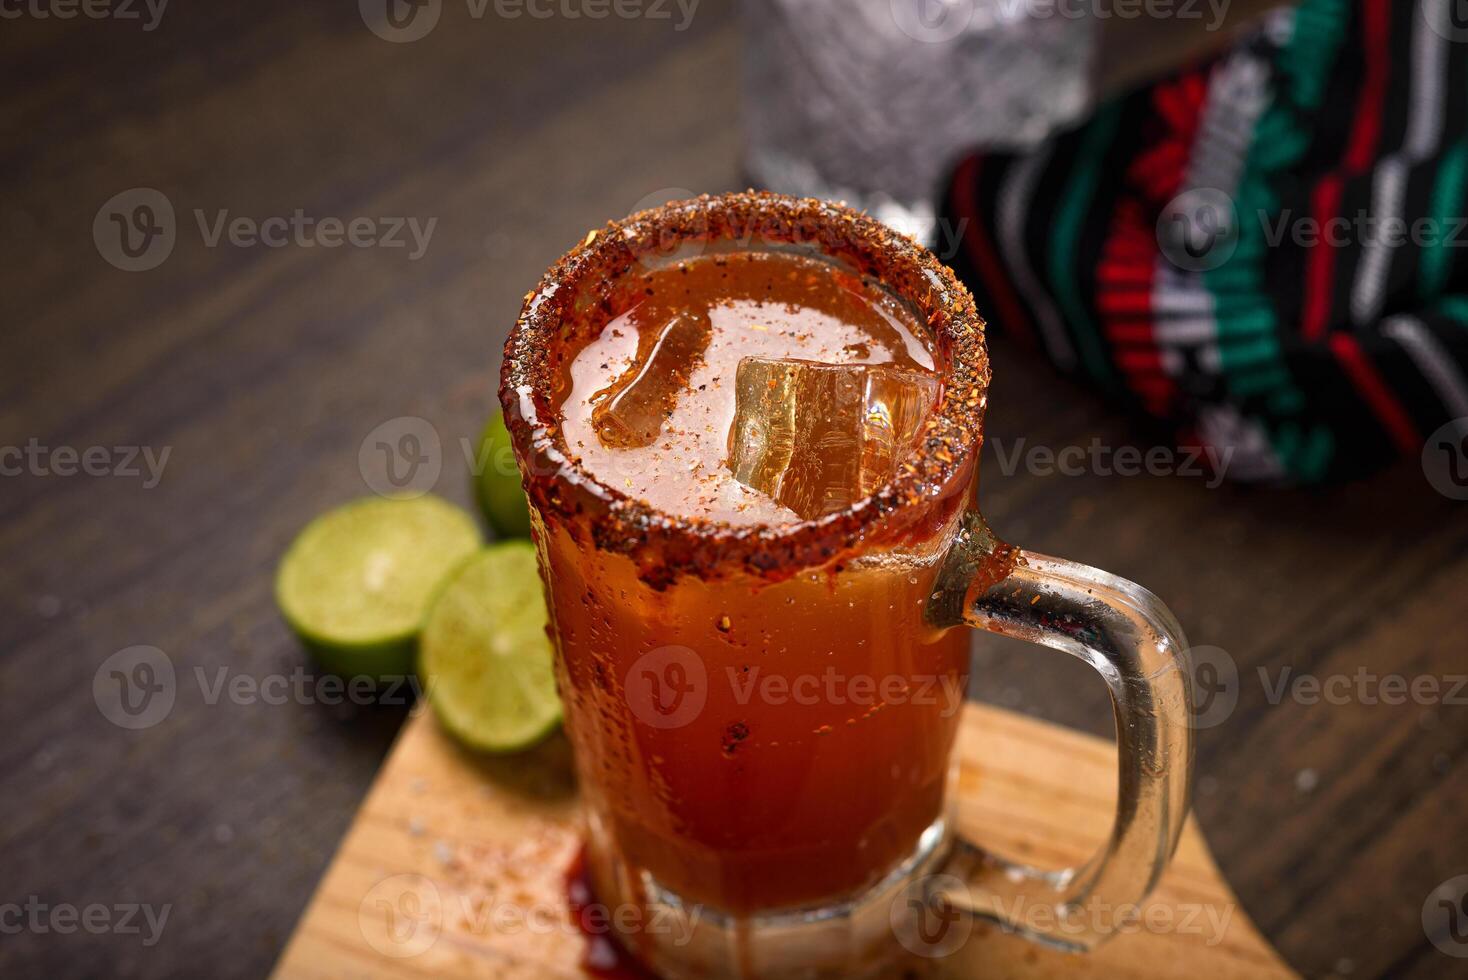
{"points": [[261, 370]]}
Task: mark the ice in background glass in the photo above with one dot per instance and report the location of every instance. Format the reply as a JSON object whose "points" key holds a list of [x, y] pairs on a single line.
{"points": [[875, 102], [748, 427]]}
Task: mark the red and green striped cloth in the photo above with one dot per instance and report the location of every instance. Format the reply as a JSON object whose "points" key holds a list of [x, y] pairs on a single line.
{"points": [[1264, 250]]}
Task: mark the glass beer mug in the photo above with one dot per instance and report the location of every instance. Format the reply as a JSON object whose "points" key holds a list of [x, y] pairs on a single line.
{"points": [[788, 833]]}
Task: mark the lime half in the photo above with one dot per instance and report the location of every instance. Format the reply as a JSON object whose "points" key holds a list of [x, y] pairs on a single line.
{"points": [[497, 482], [484, 656], [357, 583]]}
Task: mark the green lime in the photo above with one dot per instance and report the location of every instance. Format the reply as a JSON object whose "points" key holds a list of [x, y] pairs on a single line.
{"points": [[497, 482], [484, 656], [357, 583]]}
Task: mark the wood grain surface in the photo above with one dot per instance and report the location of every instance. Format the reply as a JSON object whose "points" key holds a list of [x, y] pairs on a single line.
{"points": [[444, 850], [262, 370]]}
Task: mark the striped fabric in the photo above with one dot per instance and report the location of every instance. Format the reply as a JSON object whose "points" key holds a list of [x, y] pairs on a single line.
{"points": [[1264, 251]]}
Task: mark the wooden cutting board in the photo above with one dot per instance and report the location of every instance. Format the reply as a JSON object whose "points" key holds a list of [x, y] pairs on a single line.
{"points": [[449, 848]]}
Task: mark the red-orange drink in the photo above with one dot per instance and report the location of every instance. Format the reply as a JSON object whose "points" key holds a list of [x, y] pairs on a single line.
{"points": [[819, 754]]}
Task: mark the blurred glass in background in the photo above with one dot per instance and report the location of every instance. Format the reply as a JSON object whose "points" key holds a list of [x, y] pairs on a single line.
{"points": [[872, 102]]}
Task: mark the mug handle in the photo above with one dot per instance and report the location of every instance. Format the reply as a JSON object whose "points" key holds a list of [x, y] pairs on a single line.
{"points": [[1133, 641]]}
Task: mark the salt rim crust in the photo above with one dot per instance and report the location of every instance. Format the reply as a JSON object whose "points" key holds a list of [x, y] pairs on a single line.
{"points": [[572, 302]]}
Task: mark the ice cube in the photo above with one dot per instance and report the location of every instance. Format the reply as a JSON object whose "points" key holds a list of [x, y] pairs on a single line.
{"points": [[817, 438], [631, 412]]}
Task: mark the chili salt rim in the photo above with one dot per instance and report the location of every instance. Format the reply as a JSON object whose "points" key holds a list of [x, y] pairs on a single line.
{"points": [[665, 545]]}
